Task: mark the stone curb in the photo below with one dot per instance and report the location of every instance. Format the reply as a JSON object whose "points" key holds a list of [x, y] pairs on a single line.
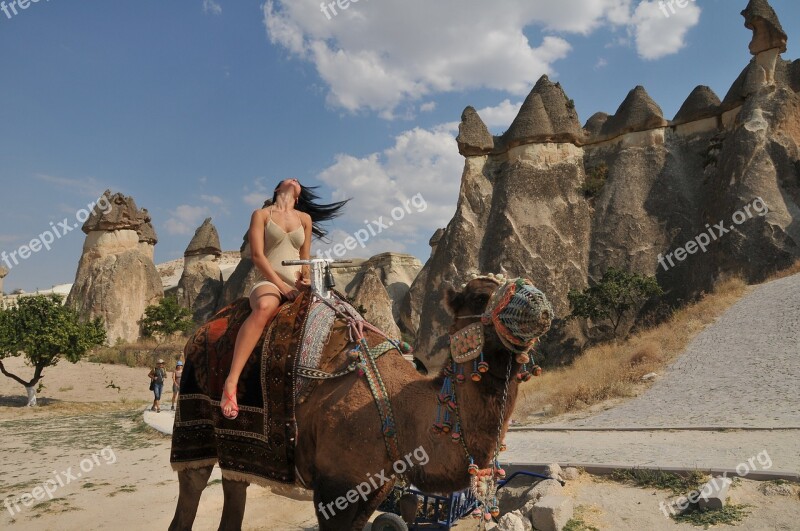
{"points": [[158, 421], [654, 428], [605, 470]]}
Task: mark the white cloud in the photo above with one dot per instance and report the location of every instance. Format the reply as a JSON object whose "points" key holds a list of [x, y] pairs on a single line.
{"points": [[381, 56], [658, 35], [428, 106], [601, 63], [185, 219], [500, 116], [256, 194], [212, 7], [420, 174], [213, 199]]}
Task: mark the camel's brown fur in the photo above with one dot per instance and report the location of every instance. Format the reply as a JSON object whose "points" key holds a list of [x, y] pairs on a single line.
{"points": [[340, 445]]}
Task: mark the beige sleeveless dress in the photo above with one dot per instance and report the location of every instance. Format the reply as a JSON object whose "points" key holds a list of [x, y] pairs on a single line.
{"points": [[280, 245]]}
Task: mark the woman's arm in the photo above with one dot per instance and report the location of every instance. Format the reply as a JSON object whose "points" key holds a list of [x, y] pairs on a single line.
{"points": [[305, 249]]}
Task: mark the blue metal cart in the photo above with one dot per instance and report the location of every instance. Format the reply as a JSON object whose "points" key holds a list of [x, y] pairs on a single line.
{"points": [[434, 511]]}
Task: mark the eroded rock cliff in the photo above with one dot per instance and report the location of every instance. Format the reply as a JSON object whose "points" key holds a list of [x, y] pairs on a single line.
{"points": [[526, 207]]}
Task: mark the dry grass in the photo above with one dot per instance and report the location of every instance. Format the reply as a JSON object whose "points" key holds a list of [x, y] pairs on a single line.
{"points": [[791, 270], [142, 353], [615, 370]]}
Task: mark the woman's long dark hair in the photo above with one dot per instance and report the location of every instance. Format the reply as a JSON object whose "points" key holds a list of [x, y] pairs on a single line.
{"points": [[307, 202]]}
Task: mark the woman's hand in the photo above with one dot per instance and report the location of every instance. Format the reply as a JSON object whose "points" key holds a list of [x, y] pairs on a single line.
{"points": [[288, 291], [302, 284]]}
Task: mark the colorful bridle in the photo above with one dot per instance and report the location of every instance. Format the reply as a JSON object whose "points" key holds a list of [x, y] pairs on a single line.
{"points": [[519, 312]]}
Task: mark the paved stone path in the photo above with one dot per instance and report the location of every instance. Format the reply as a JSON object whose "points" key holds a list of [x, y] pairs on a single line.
{"points": [[742, 371]]}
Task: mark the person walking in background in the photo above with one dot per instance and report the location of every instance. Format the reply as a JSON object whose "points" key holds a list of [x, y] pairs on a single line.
{"points": [[157, 377], [176, 382]]}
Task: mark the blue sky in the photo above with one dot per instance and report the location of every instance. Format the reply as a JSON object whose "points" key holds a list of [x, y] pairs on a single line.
{"points": [[198, 108]]}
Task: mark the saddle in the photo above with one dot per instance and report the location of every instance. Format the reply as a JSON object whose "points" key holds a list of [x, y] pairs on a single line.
{"points": [[304, 344]]}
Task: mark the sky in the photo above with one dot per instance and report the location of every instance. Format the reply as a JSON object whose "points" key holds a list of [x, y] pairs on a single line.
{"points": [[198, 108]]}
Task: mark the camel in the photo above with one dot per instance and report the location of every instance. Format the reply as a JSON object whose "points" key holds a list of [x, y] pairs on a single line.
{"points": [[340, 442]]}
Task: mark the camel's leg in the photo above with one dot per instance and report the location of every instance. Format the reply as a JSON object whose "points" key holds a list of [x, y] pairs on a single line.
{"points": [[233, 510], [371, 505], [329, 516], [192, 481]]}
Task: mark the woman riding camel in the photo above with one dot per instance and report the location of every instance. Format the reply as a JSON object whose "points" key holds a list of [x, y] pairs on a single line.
{"points": [[282, 230]]}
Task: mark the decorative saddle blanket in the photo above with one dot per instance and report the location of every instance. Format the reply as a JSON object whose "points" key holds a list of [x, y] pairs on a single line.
{"points": [[304, 344]]}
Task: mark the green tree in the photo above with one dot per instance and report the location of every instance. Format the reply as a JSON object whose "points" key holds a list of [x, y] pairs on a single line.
{"points": [[166, 318], [43, 330], [616, 294]]}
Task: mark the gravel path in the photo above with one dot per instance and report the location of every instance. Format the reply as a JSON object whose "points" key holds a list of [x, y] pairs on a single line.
{"points": [[742, 371]]}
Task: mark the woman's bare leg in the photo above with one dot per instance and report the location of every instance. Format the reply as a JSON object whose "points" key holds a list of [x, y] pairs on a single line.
{"points": [[264, 303]]}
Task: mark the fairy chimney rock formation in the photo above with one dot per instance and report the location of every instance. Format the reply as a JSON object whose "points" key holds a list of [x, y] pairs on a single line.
{"points": [[767, 30], [410, 306], [3, 273], [594, 126], [561, 205], [373, 297], [638, 112], [702, 103], [434, 240], [793, 75], [147, 234], [473, 137], [205, 241], [200, 286], [116, 277], [546, 115], [120, 213]]}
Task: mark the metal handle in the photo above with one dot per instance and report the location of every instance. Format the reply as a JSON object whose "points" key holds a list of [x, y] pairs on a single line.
{"points": [[322, 261]]}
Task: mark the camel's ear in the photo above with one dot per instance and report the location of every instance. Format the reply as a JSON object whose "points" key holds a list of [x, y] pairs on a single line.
{"points": [[450, 299]]}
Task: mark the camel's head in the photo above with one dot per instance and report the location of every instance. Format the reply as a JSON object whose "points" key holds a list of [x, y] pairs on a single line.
{"points": [[497, 318]]}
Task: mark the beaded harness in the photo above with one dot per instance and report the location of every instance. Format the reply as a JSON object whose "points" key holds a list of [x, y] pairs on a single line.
{"points": [[520, 314]]}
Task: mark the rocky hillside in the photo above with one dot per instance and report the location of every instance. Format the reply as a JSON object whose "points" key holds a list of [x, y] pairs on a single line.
{"points": [[714, 190]]}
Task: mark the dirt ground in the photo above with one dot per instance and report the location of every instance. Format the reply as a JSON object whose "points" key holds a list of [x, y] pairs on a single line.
{"points": [[106, 469]]}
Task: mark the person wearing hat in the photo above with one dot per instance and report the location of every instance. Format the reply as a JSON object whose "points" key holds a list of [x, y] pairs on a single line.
{"points": [[157, 376], [176, 382]]}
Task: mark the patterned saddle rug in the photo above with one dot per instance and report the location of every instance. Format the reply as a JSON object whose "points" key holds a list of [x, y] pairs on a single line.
{"points": [[304, 344]]}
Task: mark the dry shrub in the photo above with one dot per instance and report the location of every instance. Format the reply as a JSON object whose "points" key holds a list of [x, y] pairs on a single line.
{"points": [[646, 354], [791, 270]]}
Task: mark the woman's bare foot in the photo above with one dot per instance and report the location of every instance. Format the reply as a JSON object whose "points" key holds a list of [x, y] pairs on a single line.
{"points": [[230, 408]]}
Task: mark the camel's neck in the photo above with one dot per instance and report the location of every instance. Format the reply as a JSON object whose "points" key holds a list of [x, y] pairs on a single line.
{"points": [[481, 408]]}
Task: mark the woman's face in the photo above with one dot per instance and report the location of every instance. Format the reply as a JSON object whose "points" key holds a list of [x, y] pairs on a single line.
{"points": [[289, 185]]}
